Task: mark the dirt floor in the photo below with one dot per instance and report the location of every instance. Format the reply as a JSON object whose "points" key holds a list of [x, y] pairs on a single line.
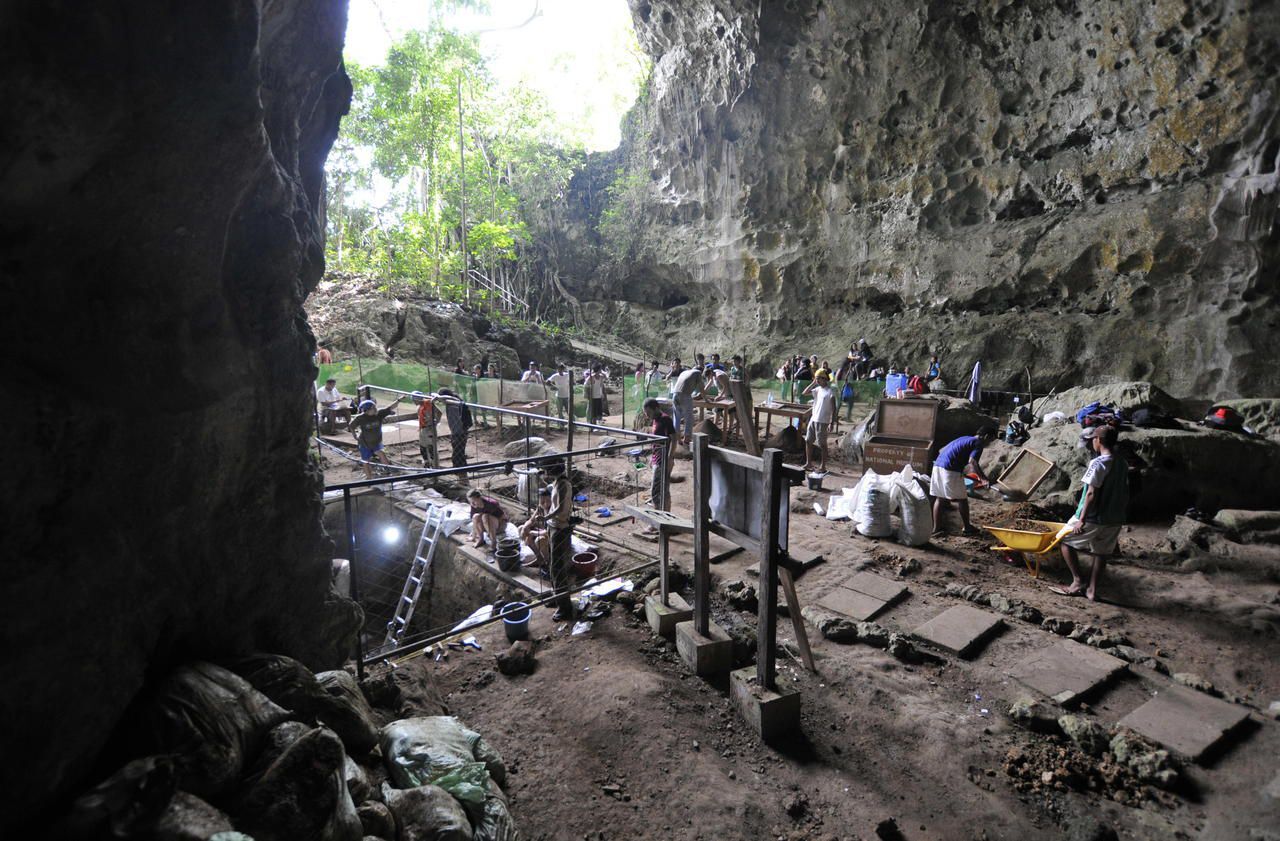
{"points": [[612, 738]]}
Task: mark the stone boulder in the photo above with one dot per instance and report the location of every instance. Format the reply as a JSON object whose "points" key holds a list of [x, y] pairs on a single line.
{"points": [[537, 446], [1177, 468], [1125, 396]]}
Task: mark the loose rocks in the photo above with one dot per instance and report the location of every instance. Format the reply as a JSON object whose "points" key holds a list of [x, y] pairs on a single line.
{"points": [[516, 660]]}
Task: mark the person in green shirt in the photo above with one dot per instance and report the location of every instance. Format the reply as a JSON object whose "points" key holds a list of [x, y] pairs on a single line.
{"points": [[1104, 500], [367, 429]]}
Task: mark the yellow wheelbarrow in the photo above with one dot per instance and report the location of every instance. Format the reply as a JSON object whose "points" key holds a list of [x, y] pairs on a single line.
{"points": [[1021, 545]]}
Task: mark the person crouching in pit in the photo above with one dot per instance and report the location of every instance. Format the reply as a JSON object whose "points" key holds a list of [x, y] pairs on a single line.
{"points": [[487, 517]]}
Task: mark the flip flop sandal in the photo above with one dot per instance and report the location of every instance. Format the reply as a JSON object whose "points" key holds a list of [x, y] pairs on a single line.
{"points": [[1063, 591]]}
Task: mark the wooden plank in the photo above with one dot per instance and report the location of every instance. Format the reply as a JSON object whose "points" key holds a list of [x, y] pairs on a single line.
{"points": [[746, 422], [701, 534], [660, 519], [797, 622], [735, 537], [720, 557], [792, 473], [767, 589]]}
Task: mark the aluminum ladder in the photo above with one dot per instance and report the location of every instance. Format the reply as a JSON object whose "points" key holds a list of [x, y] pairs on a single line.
{"points": [[417, 577]]}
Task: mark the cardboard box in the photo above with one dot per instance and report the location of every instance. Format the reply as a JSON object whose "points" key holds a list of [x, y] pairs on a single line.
{"points": [[905, 432]]}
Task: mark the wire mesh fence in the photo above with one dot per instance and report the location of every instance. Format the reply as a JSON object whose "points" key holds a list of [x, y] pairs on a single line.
{"points": [[625, 393]]}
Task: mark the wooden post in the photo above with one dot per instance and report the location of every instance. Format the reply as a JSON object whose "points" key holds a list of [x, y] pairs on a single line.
{"points": [[569, 410], [770, 525], [664, 556], [702, 534], [745, 412]]}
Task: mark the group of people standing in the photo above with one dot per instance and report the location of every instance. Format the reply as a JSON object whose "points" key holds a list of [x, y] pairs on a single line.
{"points": [[859, 364]]}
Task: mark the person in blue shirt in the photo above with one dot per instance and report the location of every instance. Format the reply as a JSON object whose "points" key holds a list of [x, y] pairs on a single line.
{"points": [[946, 484], [935, 369]]}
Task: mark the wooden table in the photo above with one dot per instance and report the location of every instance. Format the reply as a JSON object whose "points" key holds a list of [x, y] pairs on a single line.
{"points": [[720, 406], [533, 407], [790, 411]]}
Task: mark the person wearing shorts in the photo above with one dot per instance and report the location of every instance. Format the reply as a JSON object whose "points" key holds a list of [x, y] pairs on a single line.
{"points": [[946, 482], [367, 428], [1094, 529], [487, 517], [824, 409]]}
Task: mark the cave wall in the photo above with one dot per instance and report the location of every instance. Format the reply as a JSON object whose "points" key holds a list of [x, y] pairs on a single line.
{"points": [[1085, 188], [161, 178]]}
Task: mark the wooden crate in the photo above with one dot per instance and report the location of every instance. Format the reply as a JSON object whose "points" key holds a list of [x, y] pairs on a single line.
{"points": [[905, 431]]}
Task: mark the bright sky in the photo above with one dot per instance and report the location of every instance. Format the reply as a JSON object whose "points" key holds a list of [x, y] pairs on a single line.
{"points": [[579, 53]]}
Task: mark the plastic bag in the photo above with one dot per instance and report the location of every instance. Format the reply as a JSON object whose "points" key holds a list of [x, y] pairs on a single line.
{"points": [[428, 812], [496, 823], [913, 505], [840, 506], [874, 505], [212, 719], [467, 783], [419, 750]]}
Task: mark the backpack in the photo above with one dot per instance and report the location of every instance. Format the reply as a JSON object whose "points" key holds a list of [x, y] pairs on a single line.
{"points": [[1224, 418], [915, 384], [1016, 433], [1151, 418]]}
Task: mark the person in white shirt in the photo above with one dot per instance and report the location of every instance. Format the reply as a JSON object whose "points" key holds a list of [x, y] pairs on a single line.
{"points": [[651, 379], [533, 375], [564, 385], [688, 386], [595, 394], [815, 434], [332, 405]]}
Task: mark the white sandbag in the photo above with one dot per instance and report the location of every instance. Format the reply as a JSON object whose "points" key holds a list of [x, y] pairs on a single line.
{"points": [[840, 507], [916, 518], [872, 512]]}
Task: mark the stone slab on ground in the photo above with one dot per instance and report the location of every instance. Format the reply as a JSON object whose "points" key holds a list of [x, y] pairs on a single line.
{"points": [[876, 586], [1185, 721], [960, 629], [863, 596], [1066, 671], [851, 603]]}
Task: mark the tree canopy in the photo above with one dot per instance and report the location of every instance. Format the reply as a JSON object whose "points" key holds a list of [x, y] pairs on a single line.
{"points": [[436, 160]]}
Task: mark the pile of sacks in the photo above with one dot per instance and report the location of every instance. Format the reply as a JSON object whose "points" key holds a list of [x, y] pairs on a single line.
{"points": [[267, 750], [871, 504]]}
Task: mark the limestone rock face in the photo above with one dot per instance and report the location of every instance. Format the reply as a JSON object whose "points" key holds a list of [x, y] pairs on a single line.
{"points": [[352, 315], [1085, 188], [161, 219]]}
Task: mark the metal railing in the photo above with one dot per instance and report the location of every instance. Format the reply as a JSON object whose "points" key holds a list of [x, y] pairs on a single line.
{"points": [[505, 465]]}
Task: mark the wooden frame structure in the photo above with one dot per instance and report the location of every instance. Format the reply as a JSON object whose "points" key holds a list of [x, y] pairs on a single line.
{"points": [[775, 569]]}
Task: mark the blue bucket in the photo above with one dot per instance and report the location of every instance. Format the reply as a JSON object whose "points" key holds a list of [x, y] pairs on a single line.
{"points": [[516, 622]]}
